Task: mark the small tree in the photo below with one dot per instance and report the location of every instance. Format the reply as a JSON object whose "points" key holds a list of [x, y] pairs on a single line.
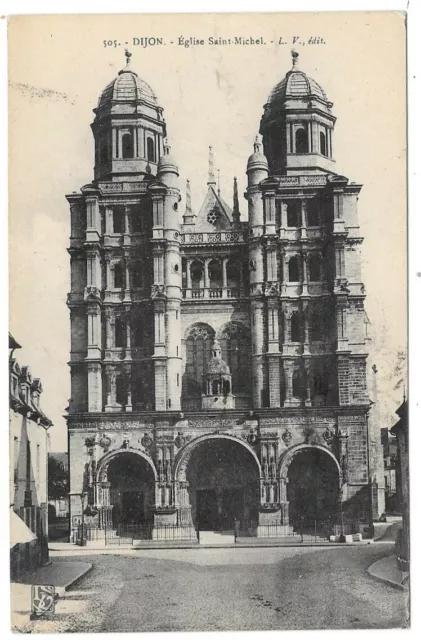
{"points": [[58, 479]]}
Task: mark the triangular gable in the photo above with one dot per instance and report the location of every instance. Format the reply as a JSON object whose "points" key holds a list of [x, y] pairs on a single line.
{"points": [[214, 214]]}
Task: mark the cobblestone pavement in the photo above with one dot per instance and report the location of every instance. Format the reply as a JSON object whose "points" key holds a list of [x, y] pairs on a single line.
{"points": [[230, 589]]}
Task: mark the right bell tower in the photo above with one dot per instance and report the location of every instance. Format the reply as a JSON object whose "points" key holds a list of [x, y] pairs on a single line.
{"points": [[309, 326]]}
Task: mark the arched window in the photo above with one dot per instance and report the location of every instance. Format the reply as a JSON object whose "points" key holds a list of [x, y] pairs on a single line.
{"points": [[226, 387], [313, 219], [118, 220], [138, 281], [301, 141], [235, 351], [316, 327], [120, 333], [323, 143], [121, 390], [198, 351], [127, 145], [314, 268], [215, 387], [215, 274], [293, 214], [150, 150], [119, 279], [295, 328], [196, 273], [294, 269]]}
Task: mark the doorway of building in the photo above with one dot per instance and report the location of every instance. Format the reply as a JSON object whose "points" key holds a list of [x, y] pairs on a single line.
{"points": [[131, 489], [223, 485], [313, 489]]}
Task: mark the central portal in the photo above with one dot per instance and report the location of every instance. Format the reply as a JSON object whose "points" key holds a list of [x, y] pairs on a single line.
{"points": [[223, 485]]}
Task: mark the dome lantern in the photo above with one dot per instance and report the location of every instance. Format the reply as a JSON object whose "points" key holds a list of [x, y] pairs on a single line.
{"points": [[297, 125], [217, 383], [128, 128]]}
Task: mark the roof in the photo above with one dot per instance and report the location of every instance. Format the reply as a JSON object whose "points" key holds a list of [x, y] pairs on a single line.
{"points": [[217, 365], [296, 84], [214, 213], [127, 87], [12, 343]]}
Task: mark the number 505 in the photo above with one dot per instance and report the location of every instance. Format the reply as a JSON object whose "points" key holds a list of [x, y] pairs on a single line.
{"points": [[110, 43]]}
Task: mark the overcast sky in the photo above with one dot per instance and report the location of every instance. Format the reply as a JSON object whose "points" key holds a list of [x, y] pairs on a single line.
{"points": [[211, 95]]}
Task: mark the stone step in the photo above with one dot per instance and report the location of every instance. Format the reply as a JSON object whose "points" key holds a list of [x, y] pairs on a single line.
{"points": [[216, 537]]}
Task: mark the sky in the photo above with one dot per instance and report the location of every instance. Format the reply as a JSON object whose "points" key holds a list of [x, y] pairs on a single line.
{"points": [[211, 95]]}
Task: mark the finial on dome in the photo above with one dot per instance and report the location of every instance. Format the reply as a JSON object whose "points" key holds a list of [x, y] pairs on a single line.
{"points": [[295, 56], [211, 173], [128, 56], [257, 145]]}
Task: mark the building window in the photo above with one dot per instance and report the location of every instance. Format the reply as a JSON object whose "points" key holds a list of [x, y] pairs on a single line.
{"points": [[196, 272], [295, 328], [127, 145], [150, 150], [119, 279], [120, 390], [301, 141], [235, 351], [313, 219], [215, 274], [316, 328], [293, 214], [314, 268], [198, 351], [118, 220], [138, 275], [233, 274], [120, 333], [323, 143], [294, 269], [297, 385]]}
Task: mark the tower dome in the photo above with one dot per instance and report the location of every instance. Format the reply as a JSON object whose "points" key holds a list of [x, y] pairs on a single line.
{"points": [[127, 87], [297, 124], [215, 364]]}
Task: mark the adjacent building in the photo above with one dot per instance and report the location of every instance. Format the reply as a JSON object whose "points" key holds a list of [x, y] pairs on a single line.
{"points": [[218, 356], [400, 431], [28, 466]]}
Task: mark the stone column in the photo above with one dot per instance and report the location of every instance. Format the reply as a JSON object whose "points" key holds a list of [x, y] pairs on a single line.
{"points": [[304, 273], [114, 143], [127, 263], [128, 376], [188, 277], [206, 277], [304, 225], [224, 277]]}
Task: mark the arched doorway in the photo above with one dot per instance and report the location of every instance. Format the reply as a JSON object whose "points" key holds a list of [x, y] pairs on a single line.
{"points": [[313, 487], [132, 489], [223, 484]]}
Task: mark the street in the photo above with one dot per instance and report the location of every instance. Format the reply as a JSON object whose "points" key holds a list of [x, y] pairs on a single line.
{"points": [[230, 589]]}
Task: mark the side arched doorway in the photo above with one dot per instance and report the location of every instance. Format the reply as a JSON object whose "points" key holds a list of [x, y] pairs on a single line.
{"points": [[313, 488], [130, 483], [222, 483]]}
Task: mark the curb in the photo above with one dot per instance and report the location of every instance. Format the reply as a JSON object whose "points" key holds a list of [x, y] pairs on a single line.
{"points": [[83, 572], [388, 581], [299, 545]]}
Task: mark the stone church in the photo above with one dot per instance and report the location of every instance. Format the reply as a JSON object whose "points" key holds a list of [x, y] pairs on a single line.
{"points": [[218, 361]]}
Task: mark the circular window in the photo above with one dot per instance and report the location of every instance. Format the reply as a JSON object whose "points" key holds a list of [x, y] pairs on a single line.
{"points": [[213, 216]]}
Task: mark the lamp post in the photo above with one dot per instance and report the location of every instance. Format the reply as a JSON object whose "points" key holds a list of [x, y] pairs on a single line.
{"points": [[82, 540]]}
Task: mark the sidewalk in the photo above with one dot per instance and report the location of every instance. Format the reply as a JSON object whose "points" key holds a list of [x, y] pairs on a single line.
{"points": [[61, 575], [386, 570]]}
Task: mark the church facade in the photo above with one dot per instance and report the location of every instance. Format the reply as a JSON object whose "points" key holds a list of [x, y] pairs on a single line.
{"points": [[218, 365]]}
